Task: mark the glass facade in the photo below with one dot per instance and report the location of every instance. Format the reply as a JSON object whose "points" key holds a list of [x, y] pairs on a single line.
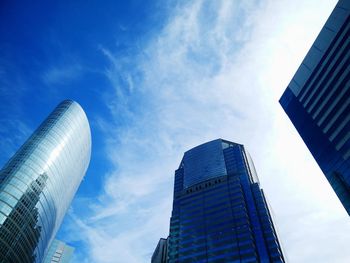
{"points": [[59, 252], [220, 212], [38, 183], [317, 101]]}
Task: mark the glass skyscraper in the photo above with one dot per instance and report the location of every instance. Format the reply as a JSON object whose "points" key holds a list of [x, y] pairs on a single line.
{"points": [[38, 183], [317, 100], [220, 213], [59, 252]]}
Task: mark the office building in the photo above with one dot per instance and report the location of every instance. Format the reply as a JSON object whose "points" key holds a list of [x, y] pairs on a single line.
{"points": [[317, 101], [59, 252], [160, 253], [38, 183], [220, 213]]}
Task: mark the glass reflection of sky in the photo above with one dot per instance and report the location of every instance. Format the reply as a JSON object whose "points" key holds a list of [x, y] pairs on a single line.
{"points": [[39, 182]]}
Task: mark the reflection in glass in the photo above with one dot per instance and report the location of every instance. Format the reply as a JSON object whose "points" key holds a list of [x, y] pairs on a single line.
{"points": [[39, 182], [22, 223]]}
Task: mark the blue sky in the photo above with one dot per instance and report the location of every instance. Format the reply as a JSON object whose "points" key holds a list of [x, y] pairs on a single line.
{"points": [[155, 79]]}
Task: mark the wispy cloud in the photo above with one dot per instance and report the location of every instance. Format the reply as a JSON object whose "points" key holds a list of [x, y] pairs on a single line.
{"points": [[216, 69], [58, 75]]}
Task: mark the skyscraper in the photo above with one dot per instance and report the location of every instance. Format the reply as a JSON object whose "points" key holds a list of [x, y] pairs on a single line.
{"points": [[160, 253], [38, 183], [317, 101], [219, 211], [59, 252]]}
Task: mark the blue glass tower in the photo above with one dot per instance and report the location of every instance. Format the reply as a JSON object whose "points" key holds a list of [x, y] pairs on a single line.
{"points": [[38, 183], [317, 101], [219, 211]]}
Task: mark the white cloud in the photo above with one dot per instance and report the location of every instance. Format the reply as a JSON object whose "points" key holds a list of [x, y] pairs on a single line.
{"points": [[58, 75], [217, 69]]}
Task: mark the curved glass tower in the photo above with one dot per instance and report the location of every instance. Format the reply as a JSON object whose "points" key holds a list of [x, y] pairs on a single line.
{"points": [[220, 213], [39, 182]]}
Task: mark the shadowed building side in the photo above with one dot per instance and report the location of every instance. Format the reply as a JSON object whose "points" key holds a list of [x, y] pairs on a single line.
{"points": [[161, 251], [317, 101]]}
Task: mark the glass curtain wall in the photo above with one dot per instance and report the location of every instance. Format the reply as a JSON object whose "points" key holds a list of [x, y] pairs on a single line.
{"points": [[39, 182]]}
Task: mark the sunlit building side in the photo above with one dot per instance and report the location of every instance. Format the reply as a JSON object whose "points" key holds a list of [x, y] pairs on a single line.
{"points": [[39, 182], [59, 252]]}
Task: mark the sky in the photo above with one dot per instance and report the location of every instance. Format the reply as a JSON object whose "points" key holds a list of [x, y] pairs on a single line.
{"points": [[155, 79]]}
